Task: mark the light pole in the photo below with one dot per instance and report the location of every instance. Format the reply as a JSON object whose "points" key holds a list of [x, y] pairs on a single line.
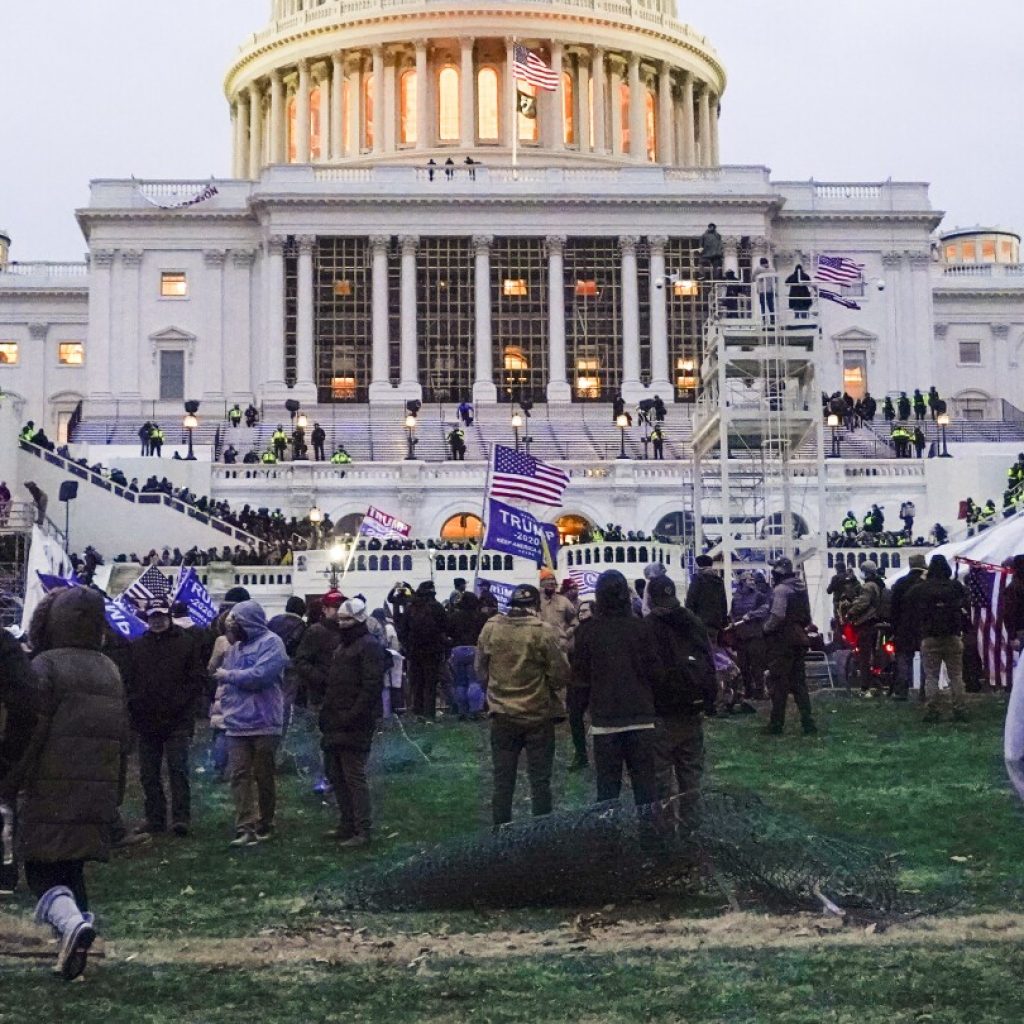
{"points": [[517, 422], [190, 423], [316, 518], [410, 431], [622, 422], [943, 421], [833, 422], [301, 421], [336, 555]]}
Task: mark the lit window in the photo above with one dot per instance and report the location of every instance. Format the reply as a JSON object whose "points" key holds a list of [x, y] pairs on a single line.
{"points": [[342, 287], [448, 105], [408, 98], [586, 288], [173, 284], [988, 250], [368, 111], [315, 135], [343, 389], [568, 110], [8, 353], [1006, 250], [588, 383], [487, 105], [652, 127], [624, 115], [686, 379], [951, 253], [970, 353], [514, 359], [515, 286], [685, 289], [970, 252], [527, 102], [293, 146], [465, 526], [70, 353]]}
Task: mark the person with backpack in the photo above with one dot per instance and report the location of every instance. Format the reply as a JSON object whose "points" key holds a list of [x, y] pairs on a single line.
{"points": [[687, 688], [423, 633], [937, 606], [864, 614], [786, 635], [350, 706], [908, 511]]}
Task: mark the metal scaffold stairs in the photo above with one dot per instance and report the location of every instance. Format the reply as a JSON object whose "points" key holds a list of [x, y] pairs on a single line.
{"points": [[758, 452]]}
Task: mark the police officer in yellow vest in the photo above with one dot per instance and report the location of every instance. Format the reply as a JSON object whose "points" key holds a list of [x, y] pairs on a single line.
{"points": [[279, 441], [156, 441], [340, 456], [268, 458], [235, 415]]}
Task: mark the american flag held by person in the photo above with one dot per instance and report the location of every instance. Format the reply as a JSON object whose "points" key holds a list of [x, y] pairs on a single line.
{"points": [[838, 270], [150, 586], [518, 475], [986, 585], [528, 67], [585, 580]]}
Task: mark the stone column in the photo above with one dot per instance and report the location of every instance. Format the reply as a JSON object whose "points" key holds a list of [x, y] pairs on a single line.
{"points": [[584, 137], [688, 156], [599, 76], [304, 326], [97, 363], [131, 343], [666, 129], [558, 383], [423, 140], [614, 91], [242, 136], [255, 131], [273, 294], [354, 114], [278, 126], [380, 366], [378, 100], [302, 114], [705, 127], [409, 362], [630, 320], [660, 380], [235, 352], [213, 303], [637, 118], [556, 102], [338, 113], [389, 107], [715, 157], [484, 389], [326, 113], [467, 91]]}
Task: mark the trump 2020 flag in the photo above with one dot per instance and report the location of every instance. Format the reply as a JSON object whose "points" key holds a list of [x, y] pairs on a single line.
{"points": [[119, 618], [196, 598], [518, 533], [502, 592], [380, 524]]}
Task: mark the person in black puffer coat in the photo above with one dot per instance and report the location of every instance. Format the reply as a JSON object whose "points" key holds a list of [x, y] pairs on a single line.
{"points": [[705, 597], [68, 778], [423, 633], [687, 688], [615, 662], [350, 706]]}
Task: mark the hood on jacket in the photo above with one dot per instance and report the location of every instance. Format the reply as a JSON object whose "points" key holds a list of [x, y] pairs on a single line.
{"points": [[251, 617], [654, 570], [612, 594], [68, 618], [794, 584], [939, 568]]}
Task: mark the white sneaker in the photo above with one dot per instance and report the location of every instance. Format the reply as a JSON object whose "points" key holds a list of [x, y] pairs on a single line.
{"points": [[74, 950]]}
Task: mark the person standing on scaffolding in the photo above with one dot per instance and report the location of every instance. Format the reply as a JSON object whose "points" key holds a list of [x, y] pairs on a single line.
{"points": [[712, 252]]}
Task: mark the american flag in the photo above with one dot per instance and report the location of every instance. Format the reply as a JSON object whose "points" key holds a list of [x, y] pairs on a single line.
{"points": [[987, 585], [518, 475], [842, 300], [585, 580], [838, 270], [528, 67], [150, 586]]}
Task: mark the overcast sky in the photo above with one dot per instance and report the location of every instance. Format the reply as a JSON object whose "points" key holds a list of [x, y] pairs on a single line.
{"points": [[924, 90]]}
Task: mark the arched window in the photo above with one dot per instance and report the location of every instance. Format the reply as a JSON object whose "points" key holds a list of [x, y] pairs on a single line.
{"points": [[526, 100], [464, 526], [624, 115], [487, 105], [448, 105], [651, 123], [407, 99], [572, 527], [315, 133], [348, 526], [568, 110], [293, 148], [368, 124]]}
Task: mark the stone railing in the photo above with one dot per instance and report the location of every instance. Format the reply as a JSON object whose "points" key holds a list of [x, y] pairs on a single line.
{"points": [[44, 270], [885, 558], [983, 270], [903, 196]]}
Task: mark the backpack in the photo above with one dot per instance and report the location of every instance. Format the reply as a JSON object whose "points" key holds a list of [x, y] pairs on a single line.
{"points": [[884, 602]]}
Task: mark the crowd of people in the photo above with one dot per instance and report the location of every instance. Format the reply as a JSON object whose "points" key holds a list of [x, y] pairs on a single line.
{"points": [[854, 413], [870, 532], [979, 517]]}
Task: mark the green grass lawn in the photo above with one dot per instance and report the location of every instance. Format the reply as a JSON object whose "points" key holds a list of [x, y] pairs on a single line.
{"points": [[936, 793]]}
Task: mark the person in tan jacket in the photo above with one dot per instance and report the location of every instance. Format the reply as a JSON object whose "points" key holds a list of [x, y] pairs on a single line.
{"points": [[526, 671], [557, 610]]}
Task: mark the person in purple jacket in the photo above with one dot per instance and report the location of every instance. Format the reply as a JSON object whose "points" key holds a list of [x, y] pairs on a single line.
{"points": [[252, 704]]}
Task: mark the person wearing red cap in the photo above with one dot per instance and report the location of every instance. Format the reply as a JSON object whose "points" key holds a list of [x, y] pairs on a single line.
{"points": [[319, 642]]}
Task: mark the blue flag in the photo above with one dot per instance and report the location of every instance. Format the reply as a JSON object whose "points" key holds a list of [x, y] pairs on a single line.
{"points": [[502, 591], [191, 592], [119, 619], [518, 533]]}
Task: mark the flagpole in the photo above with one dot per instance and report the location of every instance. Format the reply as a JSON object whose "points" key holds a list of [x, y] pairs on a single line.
{"points": [[483, 514]]}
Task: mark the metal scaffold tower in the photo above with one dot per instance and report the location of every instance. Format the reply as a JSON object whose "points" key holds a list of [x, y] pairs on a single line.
{"points": [[16, 520], [758, 445]]}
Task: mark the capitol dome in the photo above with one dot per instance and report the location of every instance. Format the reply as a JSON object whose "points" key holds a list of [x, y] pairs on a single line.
{"points": [[405, 81]]}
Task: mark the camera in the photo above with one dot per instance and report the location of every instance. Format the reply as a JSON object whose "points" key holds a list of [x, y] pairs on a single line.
{"points": [[880, 284]]}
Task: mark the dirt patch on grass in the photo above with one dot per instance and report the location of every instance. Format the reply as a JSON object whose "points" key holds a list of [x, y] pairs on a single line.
{"points": [[341, 943]]}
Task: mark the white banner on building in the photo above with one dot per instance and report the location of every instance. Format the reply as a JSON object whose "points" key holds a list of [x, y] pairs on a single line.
{"points": [[48, 557], [168, 196]]}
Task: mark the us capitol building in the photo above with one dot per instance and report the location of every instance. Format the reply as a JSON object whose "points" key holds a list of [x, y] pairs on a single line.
{"points": [[406, 220]]}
